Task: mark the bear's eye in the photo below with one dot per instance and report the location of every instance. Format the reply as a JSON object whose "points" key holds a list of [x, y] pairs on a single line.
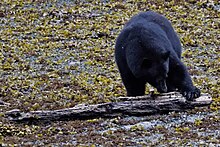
{"points": [[166, 55], [146, 63]]}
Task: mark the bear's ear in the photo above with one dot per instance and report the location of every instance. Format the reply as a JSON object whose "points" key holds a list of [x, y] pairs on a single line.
{"points": [[165, 55]]}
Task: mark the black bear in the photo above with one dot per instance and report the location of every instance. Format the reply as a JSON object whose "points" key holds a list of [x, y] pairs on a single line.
{"points": [[149, 50]]}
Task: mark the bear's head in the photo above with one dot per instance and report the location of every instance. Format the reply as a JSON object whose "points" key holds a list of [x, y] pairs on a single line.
{"points": [[155, 69]]}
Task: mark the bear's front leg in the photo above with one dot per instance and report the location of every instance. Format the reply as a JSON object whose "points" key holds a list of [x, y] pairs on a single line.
{"points": [[180, 78], [134, 87]]}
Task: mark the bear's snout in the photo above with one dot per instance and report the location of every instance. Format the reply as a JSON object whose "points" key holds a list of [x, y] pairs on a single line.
{"points": [[162, 86]]}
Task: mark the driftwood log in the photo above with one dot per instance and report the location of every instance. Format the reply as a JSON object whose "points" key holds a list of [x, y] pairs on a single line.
{"points": [[143, 105]]}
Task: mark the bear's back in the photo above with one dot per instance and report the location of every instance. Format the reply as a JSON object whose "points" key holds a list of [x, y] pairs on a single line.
{"points": [[145, 18]]}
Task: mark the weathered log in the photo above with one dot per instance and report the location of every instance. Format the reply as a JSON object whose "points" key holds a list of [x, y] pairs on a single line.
{"points": [[142, 105]]}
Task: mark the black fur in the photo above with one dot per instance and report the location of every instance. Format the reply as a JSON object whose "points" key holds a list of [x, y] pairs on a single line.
{"points": [[149, 50]]}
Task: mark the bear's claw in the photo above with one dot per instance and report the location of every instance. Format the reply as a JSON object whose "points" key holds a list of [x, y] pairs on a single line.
{"points": [[191, 94]]}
